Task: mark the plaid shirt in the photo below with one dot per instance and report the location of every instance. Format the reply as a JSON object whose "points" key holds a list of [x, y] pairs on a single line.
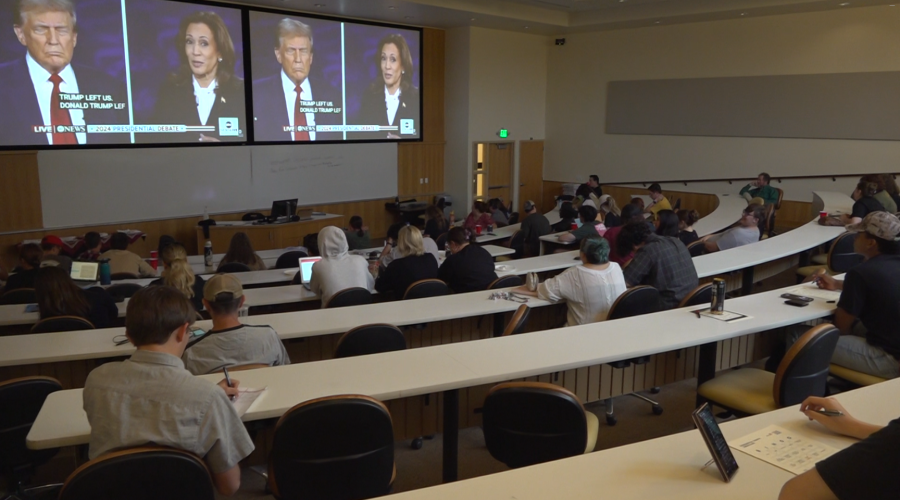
{"points": [[665, 264]]}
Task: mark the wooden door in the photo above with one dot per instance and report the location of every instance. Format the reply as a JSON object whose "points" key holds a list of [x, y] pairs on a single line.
{"points": [[531, 173], [500, 170]]}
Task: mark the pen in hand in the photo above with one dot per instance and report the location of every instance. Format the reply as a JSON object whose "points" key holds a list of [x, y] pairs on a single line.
{"points": [[228, 381]]}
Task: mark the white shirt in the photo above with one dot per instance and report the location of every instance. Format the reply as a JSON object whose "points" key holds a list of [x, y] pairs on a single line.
{"points": [[290, 100], [588, 293], [206, 97], [393, 102], [43, 89]]}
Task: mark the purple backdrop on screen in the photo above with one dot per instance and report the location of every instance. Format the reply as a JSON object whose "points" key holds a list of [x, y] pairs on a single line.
{"points": [[152, 28], [360, 45]]}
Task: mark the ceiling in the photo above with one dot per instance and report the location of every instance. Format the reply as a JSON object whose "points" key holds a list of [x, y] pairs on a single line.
{"points": [[557, 17]]}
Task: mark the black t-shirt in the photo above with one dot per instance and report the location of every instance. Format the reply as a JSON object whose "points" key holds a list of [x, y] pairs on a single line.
{"points": [[21, 279], [612, 220], [405, 271], [866, 205], [688, 237], [433, 230], [872, 295], [868, 469], [469, 270]]}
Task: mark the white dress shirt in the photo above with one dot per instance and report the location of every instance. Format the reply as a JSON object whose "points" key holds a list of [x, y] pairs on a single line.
{"points": [[393, 102], [205, 97], [43, 90], [290, 100], [588, 293]]}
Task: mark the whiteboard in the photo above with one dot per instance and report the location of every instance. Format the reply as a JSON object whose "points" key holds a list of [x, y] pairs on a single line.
{"points": [[90, 187]]}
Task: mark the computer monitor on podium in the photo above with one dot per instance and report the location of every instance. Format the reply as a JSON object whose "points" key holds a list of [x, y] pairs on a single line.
{"points": [[283, 208]]}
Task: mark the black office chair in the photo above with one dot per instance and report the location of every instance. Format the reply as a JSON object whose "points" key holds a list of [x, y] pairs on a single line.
{"points": [[62, 324], [123, 276], [697, 248], [700, 295], [426, 288], [505, 282], [513, 218], [144, 473], [18, 296], [802, 373], [233, 267], [634, 302], [839, 259], [370, 339], [252, 216], [517, 242], [20, 402], [333, 448], [122, 291], [441, 241], [289, 260], [527, 423], [517, 322], [355, 296], [677, 205]]}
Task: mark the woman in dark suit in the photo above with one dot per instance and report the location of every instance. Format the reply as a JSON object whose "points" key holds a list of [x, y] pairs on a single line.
{"points": [[392, 97], [204, 88]]}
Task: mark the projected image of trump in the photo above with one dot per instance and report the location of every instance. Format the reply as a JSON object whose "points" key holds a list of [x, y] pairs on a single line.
{"points": [[45, 98]]}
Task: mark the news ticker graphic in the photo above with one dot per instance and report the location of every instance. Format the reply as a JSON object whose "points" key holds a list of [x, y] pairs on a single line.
{"points": [[407, 127], [228, 127]]}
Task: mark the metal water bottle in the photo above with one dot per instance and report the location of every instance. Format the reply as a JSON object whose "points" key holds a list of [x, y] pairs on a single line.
{"points": [[208, 254], [717, 305], [105, 272]]}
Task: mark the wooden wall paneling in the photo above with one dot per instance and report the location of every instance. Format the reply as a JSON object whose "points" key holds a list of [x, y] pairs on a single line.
{"points": [[20, 191], [433, 44], [551, 189]]}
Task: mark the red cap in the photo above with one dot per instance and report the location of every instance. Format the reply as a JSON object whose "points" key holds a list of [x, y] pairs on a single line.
{"points": [[52, 240]]}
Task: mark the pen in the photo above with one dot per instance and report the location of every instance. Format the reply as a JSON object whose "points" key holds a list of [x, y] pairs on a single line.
{"points": [[830, 413], [228, 381], [697, 312]]}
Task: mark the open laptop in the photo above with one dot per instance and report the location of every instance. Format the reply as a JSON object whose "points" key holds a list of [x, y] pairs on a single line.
{"points": [[306, 265], [85, 272]]}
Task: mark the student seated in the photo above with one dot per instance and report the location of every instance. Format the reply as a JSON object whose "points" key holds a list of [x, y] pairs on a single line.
{"points": [[498, 212], [151, 398], [746, 232], [469, 267], [590, 289], [662, 262], [92, 245], [178, 274], [358, 234], [52, 247], [123, 261], [231, 343], [29, 262], [866, 470], [589, 225], [338, 269], [390, 252], [436, 224], [890, 185], [686, 220], [630, 213], [659, 202], [567, 215], [240, 250], [58, 295], [612, 215], [592, 186], [412, 264], [533, 226], [881, 193], [668, 223], [479, 216], [760, 190]]}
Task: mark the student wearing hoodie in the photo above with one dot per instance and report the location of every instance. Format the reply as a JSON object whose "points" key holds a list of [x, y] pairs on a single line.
{"points": [[338, 269]]}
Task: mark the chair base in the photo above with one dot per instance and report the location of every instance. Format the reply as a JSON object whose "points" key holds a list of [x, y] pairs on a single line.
{"points": [[610, 410]]}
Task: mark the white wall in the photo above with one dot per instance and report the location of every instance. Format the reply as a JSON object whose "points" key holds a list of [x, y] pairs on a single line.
{"points": [[456, 117], [851, 40]]}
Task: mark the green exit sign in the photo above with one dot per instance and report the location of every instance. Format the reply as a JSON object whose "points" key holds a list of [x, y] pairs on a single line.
{"points": [[503, 133]]}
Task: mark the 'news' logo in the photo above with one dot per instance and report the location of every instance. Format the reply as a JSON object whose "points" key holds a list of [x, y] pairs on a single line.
{"points": [[228, 127], [407, 126]]}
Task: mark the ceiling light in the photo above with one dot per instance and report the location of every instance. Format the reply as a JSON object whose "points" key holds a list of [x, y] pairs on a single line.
{"points": [[743, 13], [657, 22], [526, 27], [391, 7], [844, 4], [472, 19]]}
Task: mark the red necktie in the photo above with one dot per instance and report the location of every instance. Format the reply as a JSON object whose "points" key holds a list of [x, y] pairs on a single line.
{"points": [[299, 119], [59, 116]]}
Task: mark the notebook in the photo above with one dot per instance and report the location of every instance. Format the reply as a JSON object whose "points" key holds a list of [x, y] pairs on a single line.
{"points": [[306, 265]]}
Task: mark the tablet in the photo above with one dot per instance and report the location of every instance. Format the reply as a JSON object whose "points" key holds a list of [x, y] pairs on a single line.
{"points": [[715, 441]]}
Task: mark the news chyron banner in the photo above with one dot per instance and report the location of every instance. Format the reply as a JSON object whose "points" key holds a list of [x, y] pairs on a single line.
{"points": [[326, 80], [88, 72]]}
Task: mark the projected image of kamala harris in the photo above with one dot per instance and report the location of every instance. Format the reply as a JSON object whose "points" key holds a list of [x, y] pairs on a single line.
{"points": [[204, 88], [392, 96]]}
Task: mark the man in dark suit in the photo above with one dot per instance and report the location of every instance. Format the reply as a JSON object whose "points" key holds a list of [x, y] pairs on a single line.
{"points": [[35, 86], [278, 101]]}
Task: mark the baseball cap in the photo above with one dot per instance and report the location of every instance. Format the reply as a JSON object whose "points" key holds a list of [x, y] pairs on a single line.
{"points": [[882, 225], [52, 240], [529, 205], [223, 283]]}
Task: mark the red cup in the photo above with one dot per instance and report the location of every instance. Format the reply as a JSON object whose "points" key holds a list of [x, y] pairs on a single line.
{"points": [[823, 215], [478, 229], [574, 226], [154, 254], [154, 262]]}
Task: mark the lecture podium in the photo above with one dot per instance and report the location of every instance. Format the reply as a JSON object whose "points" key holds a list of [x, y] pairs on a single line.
{"points": [[267, 236]]}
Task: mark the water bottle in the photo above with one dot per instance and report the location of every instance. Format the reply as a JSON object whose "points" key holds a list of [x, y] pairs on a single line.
{"points": [[105, 272], [208, 254]]}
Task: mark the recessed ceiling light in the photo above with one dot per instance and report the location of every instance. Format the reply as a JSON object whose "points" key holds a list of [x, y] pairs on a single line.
{"points": [[844, 4], [472, 19], [391, 7], [743, 13], [526, 27], [657, 22]]}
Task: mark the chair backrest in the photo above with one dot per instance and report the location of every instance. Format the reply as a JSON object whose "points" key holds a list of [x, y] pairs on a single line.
{"points": [[123, 276], [677, 205], [634, 302], [518, 321], [513, 218], [780, 198], [505, 282], [700, 295], [233, 267], [19, 296], [804, 370], [370, 339], [144, 473], [696, 248], [426, 288], [841, 257], [441, 241], [768, 223], [289, 260], [355, 296], [21, 400], [527, 423], [333, 448], [123, 291], [62, 324], [252, 216]]}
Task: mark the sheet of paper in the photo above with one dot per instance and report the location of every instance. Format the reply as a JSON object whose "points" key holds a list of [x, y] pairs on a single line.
{"points": [[727, 316], [816, 293], [245, 399], [784, 449]]}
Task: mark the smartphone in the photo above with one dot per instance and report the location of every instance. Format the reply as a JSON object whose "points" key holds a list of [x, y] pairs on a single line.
{"points": [[796, 297], [796, 303], [197, 332], [715, 441]]}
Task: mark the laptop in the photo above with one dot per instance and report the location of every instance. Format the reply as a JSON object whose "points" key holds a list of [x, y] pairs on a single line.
{"points": [[85, 272], [306, 265]]}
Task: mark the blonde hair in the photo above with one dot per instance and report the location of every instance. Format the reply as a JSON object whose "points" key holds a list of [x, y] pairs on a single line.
{"points": [[179, 274], [410, 242]]}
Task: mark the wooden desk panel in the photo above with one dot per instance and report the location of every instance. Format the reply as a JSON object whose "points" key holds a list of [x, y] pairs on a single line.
{"points": [[267, 236]]}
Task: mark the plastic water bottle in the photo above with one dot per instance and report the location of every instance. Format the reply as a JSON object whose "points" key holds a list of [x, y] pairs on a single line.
{"points": [[208, 254], [105, 272]]}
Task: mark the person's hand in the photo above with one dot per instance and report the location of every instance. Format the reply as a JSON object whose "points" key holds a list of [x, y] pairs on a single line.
{"points": [[206, 138], [824, 281], [840, 424], [754, 184], [393, 136], [232, 392]]}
